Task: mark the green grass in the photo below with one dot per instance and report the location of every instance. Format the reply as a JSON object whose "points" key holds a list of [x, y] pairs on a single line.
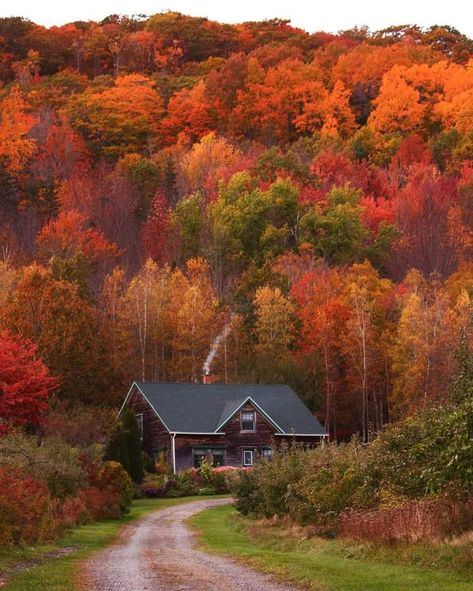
{"points": [[60, 574], [318, 564]]}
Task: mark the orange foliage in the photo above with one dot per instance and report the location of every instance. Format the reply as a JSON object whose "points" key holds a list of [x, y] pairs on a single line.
{"points": [[69, 235], [15, 123]]}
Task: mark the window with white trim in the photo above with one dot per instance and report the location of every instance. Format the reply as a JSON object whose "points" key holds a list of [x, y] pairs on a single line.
{"points": [[248, 457], [248, 420]]}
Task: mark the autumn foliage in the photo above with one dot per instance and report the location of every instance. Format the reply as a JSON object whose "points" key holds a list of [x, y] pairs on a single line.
{"points": [[25, 383], [168, 179]]}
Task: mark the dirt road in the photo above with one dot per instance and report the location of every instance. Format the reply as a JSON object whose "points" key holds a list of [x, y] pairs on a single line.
{"points": [[158, 553]]}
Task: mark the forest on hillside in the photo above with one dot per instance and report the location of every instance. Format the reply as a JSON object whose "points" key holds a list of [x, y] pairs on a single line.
{"points": [[299, 205]]}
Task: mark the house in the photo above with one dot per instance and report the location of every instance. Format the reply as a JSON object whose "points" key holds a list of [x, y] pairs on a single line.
{"points": [[229, 424]]}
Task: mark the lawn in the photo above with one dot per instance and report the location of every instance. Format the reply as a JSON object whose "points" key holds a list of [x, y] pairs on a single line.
{"points": [[60, 574], [326, 565]]}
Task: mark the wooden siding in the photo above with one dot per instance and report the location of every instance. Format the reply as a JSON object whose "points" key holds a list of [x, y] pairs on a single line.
{"points": [[185, 444], [238, 440], [156, 437], [233, 440]]}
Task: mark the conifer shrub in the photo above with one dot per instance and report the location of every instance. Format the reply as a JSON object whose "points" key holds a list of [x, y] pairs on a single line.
{"points": [[124, 446]]}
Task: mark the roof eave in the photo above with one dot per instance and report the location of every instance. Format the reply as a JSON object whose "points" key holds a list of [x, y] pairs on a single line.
{"points": [[258, 407], [301, 434], [135, 384], [196, 433]]}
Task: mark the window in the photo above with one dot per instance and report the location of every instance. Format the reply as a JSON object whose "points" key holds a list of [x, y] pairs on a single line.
{"points": [[248, 457], [139, 420], [215, 457], [266, 453], [199, 457], [248, 420]]}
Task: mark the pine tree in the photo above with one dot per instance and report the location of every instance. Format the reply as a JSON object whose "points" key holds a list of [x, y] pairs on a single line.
{"points": [[133, 444], [117, 448]]}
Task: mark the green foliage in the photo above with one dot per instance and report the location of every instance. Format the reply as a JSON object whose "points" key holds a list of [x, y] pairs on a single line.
{"points": [[125, 446], [117, 449], [188, 217], [318, 563], [50, 460], [113, 478], [423, 457], [133, 441], [248, 224], [337, 233], [462, 387]]}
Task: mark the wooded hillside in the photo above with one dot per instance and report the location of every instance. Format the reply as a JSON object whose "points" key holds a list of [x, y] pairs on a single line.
{"points": [[308, 197]]}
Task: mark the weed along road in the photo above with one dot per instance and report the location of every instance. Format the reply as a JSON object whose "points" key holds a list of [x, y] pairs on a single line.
{"points": [[158, 553]]}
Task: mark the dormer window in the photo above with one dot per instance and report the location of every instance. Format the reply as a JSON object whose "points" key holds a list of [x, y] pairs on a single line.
{"points": [[248, 420]]}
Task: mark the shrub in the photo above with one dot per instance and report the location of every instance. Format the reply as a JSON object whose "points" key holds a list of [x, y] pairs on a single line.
{"points": [[26, 513], [50, 460], [335, 478], [100, 504], [422, 457], [79, 425], [72, 512], [245, 489], [201, 481], [189, 482], [159, 486], [219, 478], [114, 482]]}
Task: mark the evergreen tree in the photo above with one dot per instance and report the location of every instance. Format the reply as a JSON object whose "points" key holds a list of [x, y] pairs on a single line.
{"points": [[117, 449], [133, 443]]}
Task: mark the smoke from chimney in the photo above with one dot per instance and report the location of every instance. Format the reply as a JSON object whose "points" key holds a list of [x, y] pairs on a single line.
{"points": [[213, 351]]}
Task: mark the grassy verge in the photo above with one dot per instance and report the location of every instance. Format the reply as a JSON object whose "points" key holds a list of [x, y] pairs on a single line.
{"points": [[322, 565], [60, 574]]}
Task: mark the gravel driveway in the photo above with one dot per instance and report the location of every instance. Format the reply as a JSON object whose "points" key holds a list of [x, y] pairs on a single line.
{"points": [[157, 553]]}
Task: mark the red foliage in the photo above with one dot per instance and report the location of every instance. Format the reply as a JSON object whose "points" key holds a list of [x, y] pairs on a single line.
{"points": [[25, 383], [100, 504], [70, 234], [377, 211], [25, 510], [155, 236], [425, 211]]}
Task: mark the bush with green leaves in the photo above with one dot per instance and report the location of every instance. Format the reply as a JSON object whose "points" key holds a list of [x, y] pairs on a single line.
{"points": [[429, 456], [49, 459]]}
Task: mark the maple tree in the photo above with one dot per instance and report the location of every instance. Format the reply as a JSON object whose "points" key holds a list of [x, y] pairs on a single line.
{"points": [[323, 315], [25, 383], [188, 116], [68, 234]]}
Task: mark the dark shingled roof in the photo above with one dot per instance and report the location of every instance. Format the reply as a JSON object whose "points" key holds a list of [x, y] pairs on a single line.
{"points": [[204, 408]]}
